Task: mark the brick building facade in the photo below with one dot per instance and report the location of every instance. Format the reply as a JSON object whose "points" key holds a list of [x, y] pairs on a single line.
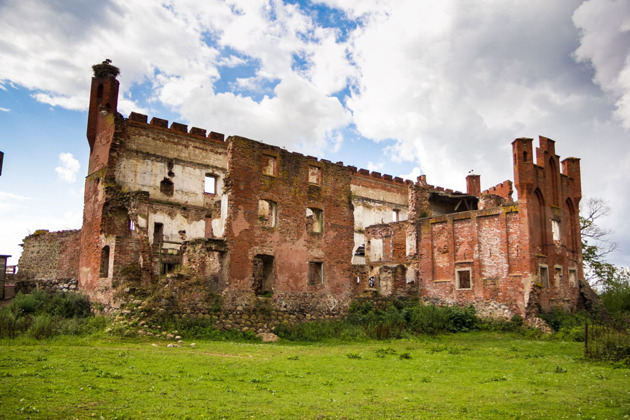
{"points": [[246, 224]]}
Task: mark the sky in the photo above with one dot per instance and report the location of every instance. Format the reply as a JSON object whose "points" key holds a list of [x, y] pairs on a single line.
{"points": [[403, 87]]}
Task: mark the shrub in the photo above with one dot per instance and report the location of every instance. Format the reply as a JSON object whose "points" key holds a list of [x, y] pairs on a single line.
{"points": [[43, 326], [70, 305], [31, 303]]}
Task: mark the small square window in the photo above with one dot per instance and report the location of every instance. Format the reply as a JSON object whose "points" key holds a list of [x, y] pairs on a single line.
{"points": [[269, 165], [314, 220], [314, 175], [267, 211], [543, 275], [464, 279], [315, 274], [210, 184]]}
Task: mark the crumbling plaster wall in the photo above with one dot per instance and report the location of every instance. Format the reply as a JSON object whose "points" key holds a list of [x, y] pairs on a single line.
{"points": [[156, 155]]}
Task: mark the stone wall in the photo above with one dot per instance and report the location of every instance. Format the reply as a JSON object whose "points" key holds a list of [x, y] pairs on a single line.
{"points": [[49, 256]]}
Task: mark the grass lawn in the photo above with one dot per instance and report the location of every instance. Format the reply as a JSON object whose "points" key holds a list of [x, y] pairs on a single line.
{"points": [[471, 375]]}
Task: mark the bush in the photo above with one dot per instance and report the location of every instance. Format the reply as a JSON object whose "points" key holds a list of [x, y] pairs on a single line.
{"points": [[25, 304], [9, 324], [43, 326], [70, 305], [41, 315]]}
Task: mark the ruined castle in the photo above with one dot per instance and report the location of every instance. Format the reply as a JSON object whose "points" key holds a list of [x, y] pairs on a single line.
{"points": [[220, 226]]}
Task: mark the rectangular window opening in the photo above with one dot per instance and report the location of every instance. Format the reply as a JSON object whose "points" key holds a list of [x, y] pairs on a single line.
{"points": [[315, 274], [396, 215], [263, 276], [555, 230], [543, 275], [269, 165], [557, 276], [464, 279], [314, 220], [573, 276], [210, 184], [158, 233], [314, 175], [104, 271], [267, 213]]}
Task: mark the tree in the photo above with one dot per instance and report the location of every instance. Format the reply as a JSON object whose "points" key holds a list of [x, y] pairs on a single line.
{"points": [[612, 281], [595, 243]]}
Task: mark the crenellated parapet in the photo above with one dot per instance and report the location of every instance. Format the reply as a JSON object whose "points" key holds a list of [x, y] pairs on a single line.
{"points": [[176, 127]]}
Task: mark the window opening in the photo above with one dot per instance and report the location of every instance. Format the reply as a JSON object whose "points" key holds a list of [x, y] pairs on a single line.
{"points": [[158, 233], [315, 274], [573, 276], [104, 271], [269, 165], [543, 275], [557, 276], [463, 278], [263, 277], [267, 211], [314, 220], [167, 187], [396, 215], [314, 175], [210, 184], [555, 230], [132, 225], [168, 268]]}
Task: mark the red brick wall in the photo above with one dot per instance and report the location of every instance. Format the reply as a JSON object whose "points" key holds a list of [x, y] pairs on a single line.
{"points": [[290, 243]]}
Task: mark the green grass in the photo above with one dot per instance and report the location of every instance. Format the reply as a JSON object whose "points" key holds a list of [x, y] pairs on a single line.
{"points": [[467, 375]]}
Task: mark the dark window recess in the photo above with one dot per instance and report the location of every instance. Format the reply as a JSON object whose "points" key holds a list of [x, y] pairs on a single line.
{"points": [[360, 252], [168, 268], [158, 233], [104, 262], [463, 279], [543, 273], [167, 187], [315, 274], [263, 277]]}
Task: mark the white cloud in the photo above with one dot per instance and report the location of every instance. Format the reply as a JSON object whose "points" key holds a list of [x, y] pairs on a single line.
{"points": [[69, 167], [5, 109], [605, 43]]}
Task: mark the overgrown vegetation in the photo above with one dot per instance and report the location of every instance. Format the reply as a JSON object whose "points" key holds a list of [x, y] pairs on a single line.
{"points": [[394, 319], [41, 315]]}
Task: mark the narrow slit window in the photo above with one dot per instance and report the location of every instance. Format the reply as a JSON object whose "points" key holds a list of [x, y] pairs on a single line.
{"points": [[557, 276], [104, 271], [572, 276]]}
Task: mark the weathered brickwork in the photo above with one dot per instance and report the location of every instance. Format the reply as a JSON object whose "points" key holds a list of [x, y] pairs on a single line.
{"points": [[49, 261], [181, 221]]}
